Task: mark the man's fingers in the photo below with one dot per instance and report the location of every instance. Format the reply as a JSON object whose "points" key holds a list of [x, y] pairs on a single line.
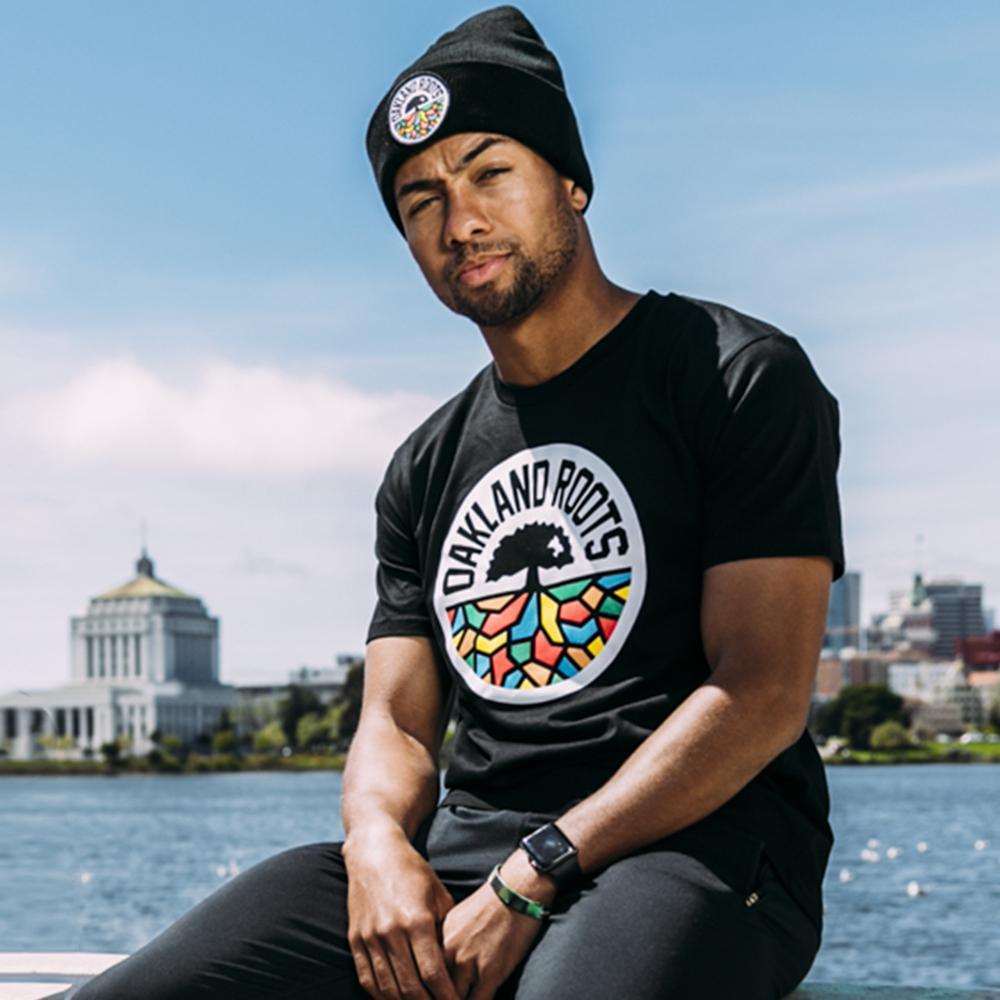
{"points": [[397, 944], [464, 978], [482, 991], [363, 967], [386, 987], [429, 958]]}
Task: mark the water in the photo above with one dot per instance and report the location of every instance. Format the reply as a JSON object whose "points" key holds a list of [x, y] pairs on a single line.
{"points": [[875, 931], [103, 864]]}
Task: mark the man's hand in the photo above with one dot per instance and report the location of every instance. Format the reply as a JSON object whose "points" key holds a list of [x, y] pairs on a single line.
{"points": [[484, 940], [396, 904]]}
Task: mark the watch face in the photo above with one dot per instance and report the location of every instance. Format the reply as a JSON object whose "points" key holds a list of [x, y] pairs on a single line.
{"points": [[548, 845]]}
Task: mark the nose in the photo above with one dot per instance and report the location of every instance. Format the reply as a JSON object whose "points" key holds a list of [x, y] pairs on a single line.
{"points": [[466, 219]]}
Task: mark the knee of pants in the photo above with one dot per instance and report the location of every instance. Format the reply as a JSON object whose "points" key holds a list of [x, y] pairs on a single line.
{"points": [[279, 925], [651, 927]]}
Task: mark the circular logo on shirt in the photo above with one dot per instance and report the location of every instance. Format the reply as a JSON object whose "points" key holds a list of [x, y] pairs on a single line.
{"points": [[417, 109], [541, 577]]}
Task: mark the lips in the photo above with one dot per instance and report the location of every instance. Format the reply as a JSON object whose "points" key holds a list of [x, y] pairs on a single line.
{"points": [[483, 270]]}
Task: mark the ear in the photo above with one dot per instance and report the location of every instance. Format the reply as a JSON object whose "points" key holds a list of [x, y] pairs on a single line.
{"points": [[578, 198]]}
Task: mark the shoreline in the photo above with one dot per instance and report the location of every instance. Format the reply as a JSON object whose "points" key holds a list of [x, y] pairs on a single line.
{"points": [[195, 764], [977, 753]]}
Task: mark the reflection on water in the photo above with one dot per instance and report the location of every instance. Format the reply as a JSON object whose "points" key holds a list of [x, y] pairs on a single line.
{"points": [[103, 864]]}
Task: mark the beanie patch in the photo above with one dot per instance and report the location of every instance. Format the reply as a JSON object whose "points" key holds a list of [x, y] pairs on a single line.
{"points": [[417, 108]]}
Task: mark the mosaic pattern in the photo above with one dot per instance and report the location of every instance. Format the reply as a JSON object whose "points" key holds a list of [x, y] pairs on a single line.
{"points": [[421, 122], [532, 639]]}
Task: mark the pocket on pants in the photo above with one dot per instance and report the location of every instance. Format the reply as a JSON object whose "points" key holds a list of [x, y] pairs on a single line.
{"points": [[464, 843], [734, 858]]}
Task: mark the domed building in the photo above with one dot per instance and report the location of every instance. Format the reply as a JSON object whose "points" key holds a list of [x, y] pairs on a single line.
{"points": [[145, 657]]}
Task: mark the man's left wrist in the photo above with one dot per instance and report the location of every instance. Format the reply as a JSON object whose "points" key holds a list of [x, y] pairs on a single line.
{"points": [[518, 872]]}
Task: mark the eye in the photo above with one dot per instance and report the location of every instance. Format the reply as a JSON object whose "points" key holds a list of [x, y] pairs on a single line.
{"points": [[492, 172], [420, 205]]}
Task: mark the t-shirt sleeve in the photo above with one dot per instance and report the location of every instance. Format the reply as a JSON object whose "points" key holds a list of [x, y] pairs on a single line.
{"points": [[400, 608], [772, 457]]}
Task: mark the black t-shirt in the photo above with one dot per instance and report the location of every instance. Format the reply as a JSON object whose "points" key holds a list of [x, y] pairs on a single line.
{"points": [[552, 540]]}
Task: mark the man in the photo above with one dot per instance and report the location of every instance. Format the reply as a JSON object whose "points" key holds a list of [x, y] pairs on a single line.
{"points": [[611, 556]]}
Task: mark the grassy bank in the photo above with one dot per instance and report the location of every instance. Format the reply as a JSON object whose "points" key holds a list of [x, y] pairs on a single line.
{"points": [[924, 753], [193, 764]]}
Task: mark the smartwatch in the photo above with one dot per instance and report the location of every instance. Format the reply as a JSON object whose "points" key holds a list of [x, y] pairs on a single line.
{"points": [[550, 852]]}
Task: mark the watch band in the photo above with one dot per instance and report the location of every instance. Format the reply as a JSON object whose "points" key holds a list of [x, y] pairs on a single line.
{"points": [[511, 898], [553, 854]]}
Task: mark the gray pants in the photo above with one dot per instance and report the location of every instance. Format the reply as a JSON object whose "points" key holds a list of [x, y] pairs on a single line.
{"points": [[657, 924]]}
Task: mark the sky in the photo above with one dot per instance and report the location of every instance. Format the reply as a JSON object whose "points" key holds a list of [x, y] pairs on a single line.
{"points": [[212, 337]]}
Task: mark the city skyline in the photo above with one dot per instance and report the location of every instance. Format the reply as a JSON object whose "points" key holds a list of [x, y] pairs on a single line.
{"points": [[208, 323]]}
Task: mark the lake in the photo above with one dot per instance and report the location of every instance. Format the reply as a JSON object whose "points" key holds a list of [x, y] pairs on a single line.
{"points": [[103, 864]]}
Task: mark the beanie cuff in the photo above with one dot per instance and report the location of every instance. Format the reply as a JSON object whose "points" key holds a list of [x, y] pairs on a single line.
{"points": [[486, 97]]}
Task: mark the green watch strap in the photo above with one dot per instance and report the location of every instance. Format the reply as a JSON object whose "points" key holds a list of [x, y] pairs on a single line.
{"points": [[509, 896]]}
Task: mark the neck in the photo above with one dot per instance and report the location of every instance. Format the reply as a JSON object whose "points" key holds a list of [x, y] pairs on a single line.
{"points": [[573, 315]]}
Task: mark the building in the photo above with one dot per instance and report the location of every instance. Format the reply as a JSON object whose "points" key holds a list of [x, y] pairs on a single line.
{"points": [[945, 698], [908, 624], [919, 681], [327, 682], [144, 658], [259, 703], [957, 613], [849, 668], [843, 616], [935, 718], [986, 683], [980, 652]]}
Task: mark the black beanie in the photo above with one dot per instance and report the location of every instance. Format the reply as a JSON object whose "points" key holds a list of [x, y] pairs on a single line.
{"points": [[493, 73]]}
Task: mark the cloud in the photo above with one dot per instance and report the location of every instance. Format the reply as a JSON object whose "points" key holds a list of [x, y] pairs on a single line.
{"points": [[844, 196], [229, 418]]}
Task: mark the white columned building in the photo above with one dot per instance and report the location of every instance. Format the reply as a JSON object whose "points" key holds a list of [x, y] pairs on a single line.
{"points": [[144, 657]]}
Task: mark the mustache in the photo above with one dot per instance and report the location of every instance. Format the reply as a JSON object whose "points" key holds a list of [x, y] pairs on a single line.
{"points": [[469, 251]]}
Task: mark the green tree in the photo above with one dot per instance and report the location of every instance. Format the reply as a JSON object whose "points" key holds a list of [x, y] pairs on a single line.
{"points": [[167, 751], [112, 753], [224, 741], [890, 735], [348, 702], [270, 739], [297, 702], [857, 710], [314, 731], [994, 715]]}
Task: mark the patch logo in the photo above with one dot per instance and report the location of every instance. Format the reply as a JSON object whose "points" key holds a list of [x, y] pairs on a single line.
{"points": [[541, 577], [417, 109]]}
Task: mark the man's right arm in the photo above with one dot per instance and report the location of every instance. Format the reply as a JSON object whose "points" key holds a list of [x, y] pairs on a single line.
{"points": [[396, 902]]}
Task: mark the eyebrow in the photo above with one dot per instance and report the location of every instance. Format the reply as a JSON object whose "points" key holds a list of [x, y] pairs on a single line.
{"points": [[427, 185]]}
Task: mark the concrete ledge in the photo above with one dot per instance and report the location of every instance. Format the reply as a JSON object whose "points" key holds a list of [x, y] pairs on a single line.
{"points": [[29, 991], [848, 991], [37, 975], [55, 963]]}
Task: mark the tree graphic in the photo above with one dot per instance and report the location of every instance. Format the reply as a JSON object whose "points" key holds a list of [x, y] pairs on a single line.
{"points": [[534, 546]]}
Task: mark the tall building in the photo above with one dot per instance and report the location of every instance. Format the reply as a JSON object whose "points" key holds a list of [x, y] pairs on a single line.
{"points": [[145, 629], [957, 613], [144, 657], [843, 616]]}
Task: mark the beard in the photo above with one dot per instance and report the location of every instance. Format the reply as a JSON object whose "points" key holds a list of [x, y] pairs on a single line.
{"points": [[532, 276]]}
